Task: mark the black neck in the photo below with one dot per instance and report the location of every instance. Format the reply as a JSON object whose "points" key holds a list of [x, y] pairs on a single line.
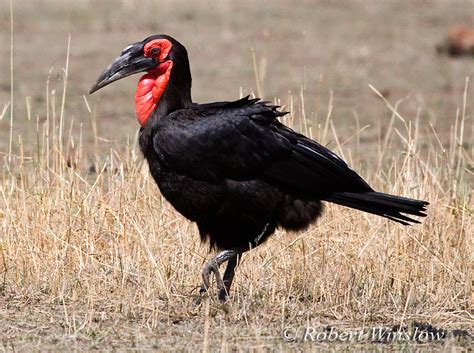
{"points": [[175, 97], [178, 91]]}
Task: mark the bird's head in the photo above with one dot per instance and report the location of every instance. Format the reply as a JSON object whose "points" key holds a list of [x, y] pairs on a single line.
{"points": [[165, 87]]}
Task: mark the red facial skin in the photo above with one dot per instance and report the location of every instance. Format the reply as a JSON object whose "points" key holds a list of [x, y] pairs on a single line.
{"points": [[152, 85]]}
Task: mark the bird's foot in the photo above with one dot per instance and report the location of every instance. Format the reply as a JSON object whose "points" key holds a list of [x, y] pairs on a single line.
{"points": [[223, 284], [211, 266]]}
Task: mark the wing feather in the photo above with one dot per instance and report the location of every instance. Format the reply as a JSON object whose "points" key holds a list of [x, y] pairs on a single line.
{"points": [[243, 140]]}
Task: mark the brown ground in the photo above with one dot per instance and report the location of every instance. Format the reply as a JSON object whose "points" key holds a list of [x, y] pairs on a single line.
{"points": [[321, 46], [91, 260]]}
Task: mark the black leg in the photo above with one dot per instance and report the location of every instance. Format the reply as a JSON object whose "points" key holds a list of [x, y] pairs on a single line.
{"points": [[228, 277], [213, 265], [232, 258]]}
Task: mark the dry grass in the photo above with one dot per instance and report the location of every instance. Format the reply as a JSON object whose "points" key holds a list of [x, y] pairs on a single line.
{"points": [[92, 256], [95, 257]]}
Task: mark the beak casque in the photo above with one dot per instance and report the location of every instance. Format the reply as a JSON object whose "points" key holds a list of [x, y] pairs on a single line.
{"points": [[130, 62]]}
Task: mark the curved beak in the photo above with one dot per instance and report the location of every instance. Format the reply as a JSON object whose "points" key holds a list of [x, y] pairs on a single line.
{"points": [[130, 62]]}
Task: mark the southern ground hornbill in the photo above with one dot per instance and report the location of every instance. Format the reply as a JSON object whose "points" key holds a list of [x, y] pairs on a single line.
{"points": [[232, 167]]}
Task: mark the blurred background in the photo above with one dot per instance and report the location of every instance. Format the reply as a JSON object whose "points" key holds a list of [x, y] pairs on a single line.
{"points": [[91, 256], [278, 49]]}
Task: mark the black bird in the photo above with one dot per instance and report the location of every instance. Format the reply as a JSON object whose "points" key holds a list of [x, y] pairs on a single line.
{"points": [[232, 167]]}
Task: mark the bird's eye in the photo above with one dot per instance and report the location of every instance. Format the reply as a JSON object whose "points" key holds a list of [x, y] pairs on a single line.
{"points": [[155, 51]]}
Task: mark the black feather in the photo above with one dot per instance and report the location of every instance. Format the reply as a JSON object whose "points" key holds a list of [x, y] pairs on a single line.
{"points": [[385, 205], [235, 169]]}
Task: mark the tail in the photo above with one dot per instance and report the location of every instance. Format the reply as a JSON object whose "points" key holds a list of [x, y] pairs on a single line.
{"points": [[385, 205]]}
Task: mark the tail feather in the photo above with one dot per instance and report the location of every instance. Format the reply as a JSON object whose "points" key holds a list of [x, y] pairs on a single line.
{"points": [[385, 205]]}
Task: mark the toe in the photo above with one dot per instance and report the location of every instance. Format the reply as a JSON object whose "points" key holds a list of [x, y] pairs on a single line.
{"points": [[223, 295]]}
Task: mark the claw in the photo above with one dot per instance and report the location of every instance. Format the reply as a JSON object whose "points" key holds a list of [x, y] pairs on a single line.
{"points": [[211, 266], [223, 285]]}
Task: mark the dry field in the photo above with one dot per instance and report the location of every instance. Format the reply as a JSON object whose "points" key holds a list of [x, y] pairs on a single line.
{"points": [[93, 257]]}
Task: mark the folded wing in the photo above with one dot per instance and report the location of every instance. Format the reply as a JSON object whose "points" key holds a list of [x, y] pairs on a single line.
{"points": [[243, 140]]}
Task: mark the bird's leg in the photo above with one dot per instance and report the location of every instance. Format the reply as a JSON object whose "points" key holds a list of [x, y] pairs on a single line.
{"points": [[228, 277], [213, 266]]}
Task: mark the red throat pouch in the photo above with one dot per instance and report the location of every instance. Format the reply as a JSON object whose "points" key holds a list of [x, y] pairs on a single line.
{"points": [[150, 88]]}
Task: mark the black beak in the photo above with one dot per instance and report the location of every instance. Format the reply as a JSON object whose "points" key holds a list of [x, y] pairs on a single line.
{"points": [[130, 62]]}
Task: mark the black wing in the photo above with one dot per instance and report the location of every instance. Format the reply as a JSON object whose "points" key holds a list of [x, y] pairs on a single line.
{"points": [[243, 140]]}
